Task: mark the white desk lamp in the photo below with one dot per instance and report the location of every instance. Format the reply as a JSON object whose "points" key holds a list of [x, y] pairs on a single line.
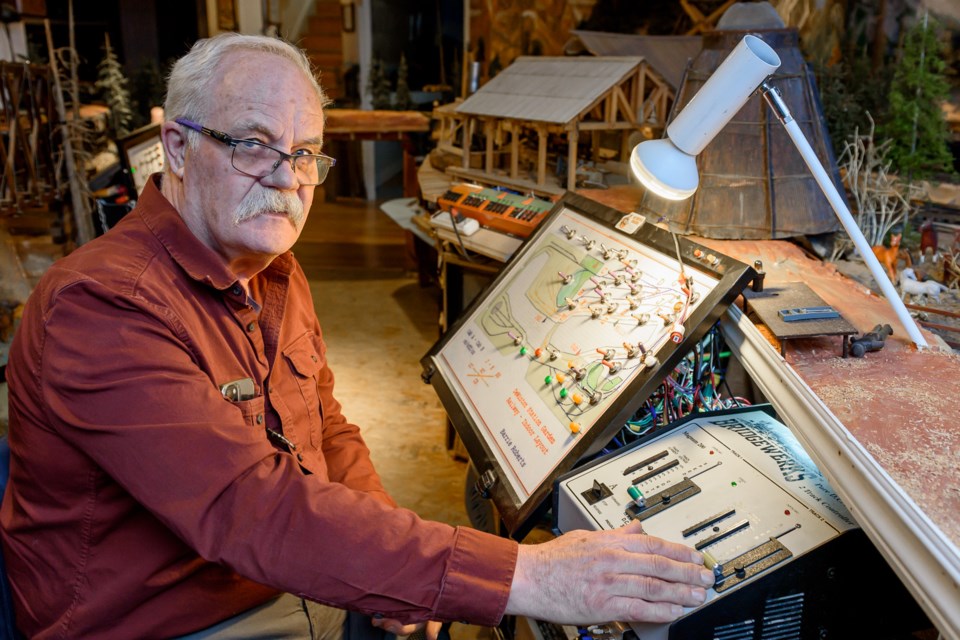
{"points": [[668, 167]]}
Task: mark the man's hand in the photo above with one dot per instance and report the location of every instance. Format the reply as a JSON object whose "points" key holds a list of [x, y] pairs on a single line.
{"points": [[397, 628], [588, 577]]}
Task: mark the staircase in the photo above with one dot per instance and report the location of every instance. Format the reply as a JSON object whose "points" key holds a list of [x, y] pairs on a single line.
{"points": [[321, 41]]}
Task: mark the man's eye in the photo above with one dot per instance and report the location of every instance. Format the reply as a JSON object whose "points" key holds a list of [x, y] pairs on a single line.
{"points": [[305, 152], [248, 144]]}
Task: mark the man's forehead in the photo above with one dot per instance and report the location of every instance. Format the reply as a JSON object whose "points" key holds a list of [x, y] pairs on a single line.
{"points": [[250, 71], [263, 92]]}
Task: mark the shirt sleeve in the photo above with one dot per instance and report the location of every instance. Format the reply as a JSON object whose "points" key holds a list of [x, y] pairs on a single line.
{"points": [[120, 380]]}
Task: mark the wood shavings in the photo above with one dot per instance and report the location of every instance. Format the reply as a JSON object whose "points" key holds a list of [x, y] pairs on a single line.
{"points": [[894, 408]]}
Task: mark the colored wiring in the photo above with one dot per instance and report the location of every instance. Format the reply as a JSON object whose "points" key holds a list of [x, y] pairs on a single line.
{"points": [[693, 386]]}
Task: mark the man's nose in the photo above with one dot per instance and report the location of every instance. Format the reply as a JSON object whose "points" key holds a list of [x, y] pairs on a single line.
{"points": [[284, 175]]}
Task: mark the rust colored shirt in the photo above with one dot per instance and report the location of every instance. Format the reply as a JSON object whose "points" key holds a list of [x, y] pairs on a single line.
{"points": [[142, 503]]}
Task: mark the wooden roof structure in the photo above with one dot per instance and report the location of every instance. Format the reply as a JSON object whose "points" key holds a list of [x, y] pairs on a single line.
{"points": [[753, 182], [555, 90], [550, 102], [668, 55]]}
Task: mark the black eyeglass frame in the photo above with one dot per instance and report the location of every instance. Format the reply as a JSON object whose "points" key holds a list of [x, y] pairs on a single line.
{"points": [[232, 142]]}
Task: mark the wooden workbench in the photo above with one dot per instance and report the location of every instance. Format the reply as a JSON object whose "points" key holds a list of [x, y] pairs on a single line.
{"points": [[357, 124]]}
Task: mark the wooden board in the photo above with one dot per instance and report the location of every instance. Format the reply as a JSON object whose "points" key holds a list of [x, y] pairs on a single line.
{"points": [[359, 123], [768, 303]]}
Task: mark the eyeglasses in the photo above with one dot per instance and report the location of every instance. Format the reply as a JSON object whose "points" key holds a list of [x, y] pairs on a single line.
{"points": [[259, 160]]}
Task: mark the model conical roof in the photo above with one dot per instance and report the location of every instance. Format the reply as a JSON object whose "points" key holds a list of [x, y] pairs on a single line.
{"points": [[753, 181]]}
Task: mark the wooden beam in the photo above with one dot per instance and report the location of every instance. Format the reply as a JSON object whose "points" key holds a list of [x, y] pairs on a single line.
{"points": [[81, 211], [541, 156], [701, 22], [515, 151], [488, 127], [449, 148], [467, 137], [603, 126], [572, 138], [474, 175], [652, 106], [693, 13], [642, 89], [625, 105]]}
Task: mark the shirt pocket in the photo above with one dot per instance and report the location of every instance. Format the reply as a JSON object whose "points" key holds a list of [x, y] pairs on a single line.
{"points": [[252, 410], [305, 364]]}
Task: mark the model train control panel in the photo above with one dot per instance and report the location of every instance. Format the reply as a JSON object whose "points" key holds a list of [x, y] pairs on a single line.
{"points": [[579, 328], [499, 210], [146, 158], [735, 485]]}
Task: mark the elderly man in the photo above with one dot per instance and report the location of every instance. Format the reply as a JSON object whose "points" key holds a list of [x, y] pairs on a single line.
{"points": [[179, 462]]}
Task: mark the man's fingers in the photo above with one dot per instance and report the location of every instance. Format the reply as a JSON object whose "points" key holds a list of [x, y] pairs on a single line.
{"points": [[655, 590], [634, 526], [652, 611], [652, 544], [652, 556], [665, 568], [614, 575]]}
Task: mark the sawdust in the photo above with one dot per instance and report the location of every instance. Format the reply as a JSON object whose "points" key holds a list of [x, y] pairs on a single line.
{"points": [[894, 404], [931, 484]]}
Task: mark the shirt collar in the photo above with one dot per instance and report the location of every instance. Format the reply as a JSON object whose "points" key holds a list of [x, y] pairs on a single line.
{"points": [[198, 260]]}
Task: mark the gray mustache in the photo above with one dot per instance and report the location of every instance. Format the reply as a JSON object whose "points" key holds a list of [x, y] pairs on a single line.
{"points": [[263, 200]]}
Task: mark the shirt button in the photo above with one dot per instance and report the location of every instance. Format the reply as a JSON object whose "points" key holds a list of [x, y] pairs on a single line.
{"points": [[236, 290], [259, 418], [252, 327], [300, 457]]}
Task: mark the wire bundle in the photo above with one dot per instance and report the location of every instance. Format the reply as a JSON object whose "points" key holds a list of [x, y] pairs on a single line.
{"points": [[694, 386]]}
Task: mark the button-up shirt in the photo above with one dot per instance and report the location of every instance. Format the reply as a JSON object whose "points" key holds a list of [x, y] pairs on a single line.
{"points": [[144, 503]]}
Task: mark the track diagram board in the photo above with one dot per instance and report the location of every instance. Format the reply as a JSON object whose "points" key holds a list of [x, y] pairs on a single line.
{"points": [[553, 350]]}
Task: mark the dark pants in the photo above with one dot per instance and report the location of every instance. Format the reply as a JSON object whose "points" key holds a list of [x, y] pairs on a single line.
{"points": [[286, 617]]}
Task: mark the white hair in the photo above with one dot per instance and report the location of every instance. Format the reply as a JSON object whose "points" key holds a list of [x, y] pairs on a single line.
{"points": [[193, 75]]}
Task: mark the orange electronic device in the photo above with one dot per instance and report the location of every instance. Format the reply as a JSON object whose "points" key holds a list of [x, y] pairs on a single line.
{"points": [[498, 210]]}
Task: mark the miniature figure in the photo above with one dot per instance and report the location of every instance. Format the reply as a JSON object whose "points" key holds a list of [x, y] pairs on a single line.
{"points": [[909, 285], [870, 341], [888, 256]]}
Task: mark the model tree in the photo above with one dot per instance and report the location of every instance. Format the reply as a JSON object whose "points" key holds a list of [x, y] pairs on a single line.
{"points": [[112, 85], [850, 90], [915, 122], [377, 86], [402, 99]]}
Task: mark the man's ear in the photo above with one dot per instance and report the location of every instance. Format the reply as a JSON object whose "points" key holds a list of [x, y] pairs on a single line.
{"points": [[174, 146]]}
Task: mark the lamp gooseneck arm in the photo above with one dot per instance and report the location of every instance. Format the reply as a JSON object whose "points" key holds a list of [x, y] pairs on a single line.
{"points": [[779, 107]]}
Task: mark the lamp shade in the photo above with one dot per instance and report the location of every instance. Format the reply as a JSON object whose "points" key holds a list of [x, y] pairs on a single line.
{"points": [[664, 169], [671, 175]]}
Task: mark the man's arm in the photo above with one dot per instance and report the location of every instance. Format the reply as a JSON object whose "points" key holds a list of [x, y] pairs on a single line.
{"points": [[131, 396], [588, 577]]}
